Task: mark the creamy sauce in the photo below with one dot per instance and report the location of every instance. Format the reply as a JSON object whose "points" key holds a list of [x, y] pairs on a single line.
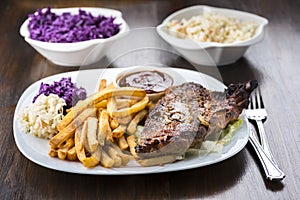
{"points": [[151, 81]]}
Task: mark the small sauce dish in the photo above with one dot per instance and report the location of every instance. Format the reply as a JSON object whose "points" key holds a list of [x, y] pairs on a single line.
{"points": [[154, 80]]}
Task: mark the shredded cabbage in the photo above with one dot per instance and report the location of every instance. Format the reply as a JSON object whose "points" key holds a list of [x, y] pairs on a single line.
{"points": [[65, 89], [41, 118], [47, 26]]}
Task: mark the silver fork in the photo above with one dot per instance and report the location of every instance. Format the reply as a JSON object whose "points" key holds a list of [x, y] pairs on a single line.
{"points": [[271, 169], [258, 113]]}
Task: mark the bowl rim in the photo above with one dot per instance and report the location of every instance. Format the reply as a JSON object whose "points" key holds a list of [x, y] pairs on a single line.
{"points": [[142, 68], [189, 44], [76, 46]]}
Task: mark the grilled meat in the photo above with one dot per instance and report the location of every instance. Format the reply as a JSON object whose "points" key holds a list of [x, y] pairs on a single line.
{"points": [[189, 113]]}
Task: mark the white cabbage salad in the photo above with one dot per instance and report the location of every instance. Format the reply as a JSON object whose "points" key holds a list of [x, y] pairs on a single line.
{"points": [[212, 27], [41, 118]]}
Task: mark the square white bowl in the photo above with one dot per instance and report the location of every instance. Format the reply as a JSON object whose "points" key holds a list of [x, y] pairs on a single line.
{"points": [[75, 54], [211, 53]]}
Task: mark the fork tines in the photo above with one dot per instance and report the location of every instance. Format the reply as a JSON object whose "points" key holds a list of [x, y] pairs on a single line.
{"points": [[256, 99]]}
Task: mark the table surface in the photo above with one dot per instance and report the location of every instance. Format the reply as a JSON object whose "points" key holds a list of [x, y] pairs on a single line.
{"points": [[274, 62]]}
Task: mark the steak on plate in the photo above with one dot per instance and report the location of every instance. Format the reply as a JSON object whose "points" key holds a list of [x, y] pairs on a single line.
{"points": [[188, 114]]}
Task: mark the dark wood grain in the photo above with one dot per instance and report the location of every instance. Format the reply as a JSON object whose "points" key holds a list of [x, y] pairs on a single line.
{"points": [[274, 63]]}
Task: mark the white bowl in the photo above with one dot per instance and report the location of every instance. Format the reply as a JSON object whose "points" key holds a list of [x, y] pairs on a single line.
{"points": [[211, 53], [74, 54], [175, 76]]}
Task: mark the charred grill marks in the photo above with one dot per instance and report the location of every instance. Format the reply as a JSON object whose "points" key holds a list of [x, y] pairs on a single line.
{"points": [[187, 114]]}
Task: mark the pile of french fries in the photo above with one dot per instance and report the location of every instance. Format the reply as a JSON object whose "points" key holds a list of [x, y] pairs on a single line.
{"points": [[101, 129]]}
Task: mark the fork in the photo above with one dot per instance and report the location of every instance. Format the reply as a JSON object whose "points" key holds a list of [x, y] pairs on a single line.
{"points": [[271, 169], [258, 113]]}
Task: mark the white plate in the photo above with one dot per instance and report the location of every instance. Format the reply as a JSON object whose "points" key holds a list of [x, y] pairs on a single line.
{"points": [[36, 149]]}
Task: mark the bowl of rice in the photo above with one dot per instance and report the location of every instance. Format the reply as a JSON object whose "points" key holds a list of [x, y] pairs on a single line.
{"points": [[67, 36], [211, 36]]}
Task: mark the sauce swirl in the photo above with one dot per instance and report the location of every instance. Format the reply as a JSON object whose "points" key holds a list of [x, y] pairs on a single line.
{"points": [[151, 81]]}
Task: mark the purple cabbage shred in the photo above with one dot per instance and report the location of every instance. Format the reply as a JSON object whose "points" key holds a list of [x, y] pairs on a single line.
{"points": [[47, 26], [65, 89]]}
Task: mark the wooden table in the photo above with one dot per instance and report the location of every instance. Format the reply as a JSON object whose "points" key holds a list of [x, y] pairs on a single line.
{"points": [[274, 63]]}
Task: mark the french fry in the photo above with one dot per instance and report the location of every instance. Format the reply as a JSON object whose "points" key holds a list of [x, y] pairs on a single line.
{"points": [[68, 110], [114, 155], [124, 120], [72, 113], [115, 92], [52, 152], [111, 105], [110, 86], [113, 123], [97, 126], [79, 144], [101, 127], [131, 140], [121, 103], [63, 150], [69, 144], [102, 85], [94, 159], [62, 153], [130, 101], [157, 160], [125, 103], [106, 160], [70, 129], [109, 135], [125, 157], [71, 154], [101, 104], [92, 100], [99, 112], [140, 105], [104, 131], [122, 143], [85, 130], [92, 141], [119, 131], [135, 121]]}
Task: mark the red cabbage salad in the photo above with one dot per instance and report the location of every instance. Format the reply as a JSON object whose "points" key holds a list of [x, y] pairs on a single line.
{"points": [[46, 26], [65, 89]]}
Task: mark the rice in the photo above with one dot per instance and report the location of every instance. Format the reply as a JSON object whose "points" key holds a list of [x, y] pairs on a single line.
{"points": [[212, 27], [41, 118]]}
